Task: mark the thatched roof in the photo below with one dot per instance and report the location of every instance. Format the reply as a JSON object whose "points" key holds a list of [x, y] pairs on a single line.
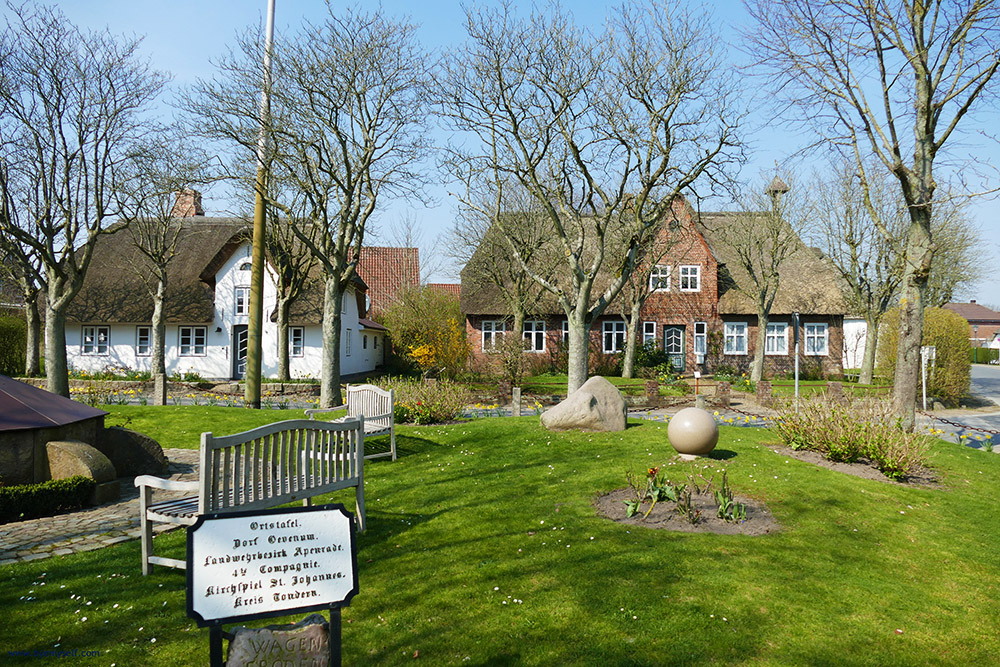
{"points": [[115, 290], [808, 281]]}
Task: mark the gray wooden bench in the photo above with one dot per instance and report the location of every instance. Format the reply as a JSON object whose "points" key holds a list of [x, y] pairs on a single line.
{"points": [[376, 405], [262, 468]]}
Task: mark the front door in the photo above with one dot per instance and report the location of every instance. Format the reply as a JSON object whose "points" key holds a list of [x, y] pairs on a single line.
{"points": [[239, 351], [673, 345]]}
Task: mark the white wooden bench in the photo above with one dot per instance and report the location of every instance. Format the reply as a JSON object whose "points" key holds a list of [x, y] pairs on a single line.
{"points": [[257, 469], [376, 405]]}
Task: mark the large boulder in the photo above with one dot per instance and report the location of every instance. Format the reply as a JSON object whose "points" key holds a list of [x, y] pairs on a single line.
{"points": [[596, 406], [132, 453], [68, 458]]}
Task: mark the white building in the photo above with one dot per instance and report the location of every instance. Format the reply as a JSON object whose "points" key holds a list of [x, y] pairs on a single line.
{"points": [[207, 304]]}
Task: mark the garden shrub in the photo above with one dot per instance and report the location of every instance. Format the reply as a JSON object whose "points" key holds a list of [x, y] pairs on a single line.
{"points": [[421, 402], [849, 431], [13, 345], [949, 333], [30, 501], [427, 326]]}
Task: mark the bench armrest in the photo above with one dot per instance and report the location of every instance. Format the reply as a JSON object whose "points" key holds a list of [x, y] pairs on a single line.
{"points": [[312, 411], [166, 484]]}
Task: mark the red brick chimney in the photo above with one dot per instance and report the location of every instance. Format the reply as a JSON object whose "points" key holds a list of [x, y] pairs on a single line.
{"points": [[187, 204]]}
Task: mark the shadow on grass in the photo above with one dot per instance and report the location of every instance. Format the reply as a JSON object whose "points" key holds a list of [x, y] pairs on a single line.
{"points": [[723, 454]]}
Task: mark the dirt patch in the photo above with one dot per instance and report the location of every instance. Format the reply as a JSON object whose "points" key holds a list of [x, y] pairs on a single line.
{"points": [[924, 477], [664, 516]]}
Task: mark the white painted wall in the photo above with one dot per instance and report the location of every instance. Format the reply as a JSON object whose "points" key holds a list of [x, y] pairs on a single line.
{"points": [[855, 333], [217, 362]]}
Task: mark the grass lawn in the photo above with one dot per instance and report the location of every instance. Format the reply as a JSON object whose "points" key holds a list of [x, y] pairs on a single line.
{"points": [[483, 548]]}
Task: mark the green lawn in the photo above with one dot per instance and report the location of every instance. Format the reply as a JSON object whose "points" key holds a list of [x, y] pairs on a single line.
{"points": [[483, 548]]}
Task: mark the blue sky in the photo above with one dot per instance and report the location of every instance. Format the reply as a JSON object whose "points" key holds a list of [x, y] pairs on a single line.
{"points": [[183, 36]]}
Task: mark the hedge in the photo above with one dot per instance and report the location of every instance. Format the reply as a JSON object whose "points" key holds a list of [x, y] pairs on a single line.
{"points": [[30, 501], [13, 345], [949, 333], [983, 355]]}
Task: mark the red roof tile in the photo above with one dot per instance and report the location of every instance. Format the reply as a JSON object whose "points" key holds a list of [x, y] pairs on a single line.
{"points": [[386, 271], [454, 289], [974, 312]]}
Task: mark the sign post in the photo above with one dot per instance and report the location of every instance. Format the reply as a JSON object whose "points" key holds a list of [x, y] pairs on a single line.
{"points": [[250, 565]]}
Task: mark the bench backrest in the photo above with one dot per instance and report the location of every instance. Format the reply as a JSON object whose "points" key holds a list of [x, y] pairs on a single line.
{"points": [[373, 403], [278, 463]]}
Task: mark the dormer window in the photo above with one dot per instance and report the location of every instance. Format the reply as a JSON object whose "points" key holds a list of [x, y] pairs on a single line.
{"points": [[246, 266]]}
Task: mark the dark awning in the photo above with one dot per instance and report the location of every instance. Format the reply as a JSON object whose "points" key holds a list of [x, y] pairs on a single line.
{"points": [[23, 406]]}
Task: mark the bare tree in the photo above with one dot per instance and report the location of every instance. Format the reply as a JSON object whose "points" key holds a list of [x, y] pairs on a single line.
{"points": [[603, 130], [71, 114], [166, 169], [481, 240], [762, 238], [896, 79], [345, 132], [960, 256]]}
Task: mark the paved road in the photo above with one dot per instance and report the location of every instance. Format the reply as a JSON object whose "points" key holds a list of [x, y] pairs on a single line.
{"points": [[986, 382]]}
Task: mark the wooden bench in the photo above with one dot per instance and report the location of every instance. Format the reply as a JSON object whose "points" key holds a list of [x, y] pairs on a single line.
{"points": [[257, 469], [376, 405]]}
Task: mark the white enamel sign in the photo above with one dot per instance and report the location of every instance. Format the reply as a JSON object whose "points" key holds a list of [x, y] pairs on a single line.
{"points": [[259, 564]]}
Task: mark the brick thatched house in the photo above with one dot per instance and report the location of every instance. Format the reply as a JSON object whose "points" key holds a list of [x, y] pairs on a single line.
{"points": [[693, 311]]}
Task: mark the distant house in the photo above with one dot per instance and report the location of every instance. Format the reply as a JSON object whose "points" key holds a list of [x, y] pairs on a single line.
{"points": [[452, 289], [984, 324], [386, 271], [207, 306], [694, 311]]}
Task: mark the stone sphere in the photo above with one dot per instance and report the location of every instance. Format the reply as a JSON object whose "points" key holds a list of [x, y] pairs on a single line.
{"points": [[693, 432]]}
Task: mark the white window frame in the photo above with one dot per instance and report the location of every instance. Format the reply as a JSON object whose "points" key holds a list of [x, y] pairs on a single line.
{"points": [[192, 348], [689, 277], [95, 340], [648, 332], [816, 332], [565, 331], [533, 331], [143, 332], [491, 329], [701, 338], [613, 330], [347, 343], [241, 300], [296, 341], [659, 278], [776, 339], [733, 333]]}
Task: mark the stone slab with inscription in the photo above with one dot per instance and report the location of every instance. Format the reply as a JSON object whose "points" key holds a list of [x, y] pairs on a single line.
{"points": [[302, 644]]}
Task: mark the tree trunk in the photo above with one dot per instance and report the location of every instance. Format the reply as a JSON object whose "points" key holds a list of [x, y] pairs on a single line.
{"points": [[632, 338], [33, 322], [284, 306], [56, 372], [757, 372], [578, 355], [867, 374], [333, 297], [911, 317], [159, 327]]}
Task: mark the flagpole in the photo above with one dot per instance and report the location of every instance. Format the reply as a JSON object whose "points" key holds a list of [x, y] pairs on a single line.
{"points": [[251, 393]]}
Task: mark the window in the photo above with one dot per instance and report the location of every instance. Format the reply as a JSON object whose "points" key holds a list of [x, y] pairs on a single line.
{"points": [[246, 266], [534, 333], [735, 337], [648, 332], [375, 342], [565, 332], [364, 342], [492, 330], [242, 301], [690, 277], [816, 340], [347, 343], [701, 338], [776, 339], [614, 336], [659, 278], [143, 341], [192, 341], [95, 340], [296, 341]]}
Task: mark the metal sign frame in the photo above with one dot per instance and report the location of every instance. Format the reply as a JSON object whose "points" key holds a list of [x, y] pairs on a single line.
{"points": [[326, 604]]}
